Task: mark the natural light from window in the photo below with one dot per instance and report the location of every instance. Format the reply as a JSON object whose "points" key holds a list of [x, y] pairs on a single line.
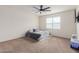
{"points": [[49, 23], [53, 22]]}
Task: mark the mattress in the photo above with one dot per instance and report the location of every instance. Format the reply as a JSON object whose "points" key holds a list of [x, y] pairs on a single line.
{"points": [[44, 35]]}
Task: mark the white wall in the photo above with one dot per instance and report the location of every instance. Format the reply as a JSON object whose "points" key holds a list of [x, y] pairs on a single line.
{"points": [[78, 30], [77, 10], [15, 21], [67, 24]]}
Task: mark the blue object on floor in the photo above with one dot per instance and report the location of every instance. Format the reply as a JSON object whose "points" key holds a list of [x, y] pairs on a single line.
{"points": [[75, 45], [74, 42]]}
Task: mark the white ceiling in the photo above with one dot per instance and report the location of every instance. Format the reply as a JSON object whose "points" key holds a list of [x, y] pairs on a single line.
{"points": [[54, 9]]}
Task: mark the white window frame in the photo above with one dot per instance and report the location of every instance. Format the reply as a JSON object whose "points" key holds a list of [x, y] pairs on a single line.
{"points": [[57, 23], [52, 23], [48, 23]]}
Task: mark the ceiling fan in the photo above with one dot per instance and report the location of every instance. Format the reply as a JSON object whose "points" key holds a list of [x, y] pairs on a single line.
{"points": [[42, 9]]}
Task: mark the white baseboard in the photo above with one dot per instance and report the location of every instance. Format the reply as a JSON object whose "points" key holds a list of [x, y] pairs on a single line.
{"points": [[11, 38]]}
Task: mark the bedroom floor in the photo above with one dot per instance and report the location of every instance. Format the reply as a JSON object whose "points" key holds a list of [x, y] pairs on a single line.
{"points": [[28, 45]]}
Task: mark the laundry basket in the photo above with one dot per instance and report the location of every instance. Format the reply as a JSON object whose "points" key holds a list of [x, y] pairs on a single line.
{"points": [[74, 41]]}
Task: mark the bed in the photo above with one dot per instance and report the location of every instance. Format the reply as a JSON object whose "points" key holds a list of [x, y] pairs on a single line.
{"points": [[44, 35], [38, 35]]}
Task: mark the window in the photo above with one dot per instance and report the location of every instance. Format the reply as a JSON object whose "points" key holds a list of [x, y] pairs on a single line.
{"points": [[53, 23], [56, 23], [49, 23]]}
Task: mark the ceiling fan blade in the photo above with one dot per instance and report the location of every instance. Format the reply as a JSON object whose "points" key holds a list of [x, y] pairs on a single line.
{"points": [[46, 8], [37, 11], [36, 8], [41, 6]]}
